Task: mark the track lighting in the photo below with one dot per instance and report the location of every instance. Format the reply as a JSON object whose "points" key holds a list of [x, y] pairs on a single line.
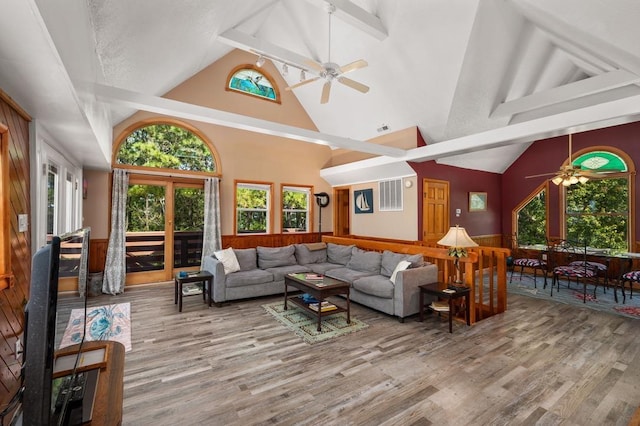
{"points": [[260, 61], [303, 76], [285, 70]]}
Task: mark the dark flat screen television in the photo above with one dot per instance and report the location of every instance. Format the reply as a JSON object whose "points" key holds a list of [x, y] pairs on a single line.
{"points": [[64, 256]]}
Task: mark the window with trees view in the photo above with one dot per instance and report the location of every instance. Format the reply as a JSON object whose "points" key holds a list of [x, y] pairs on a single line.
{"points": [[164, 207], [253, 207], [295, 208], [597, 213], [532, 220], [166, 146]]}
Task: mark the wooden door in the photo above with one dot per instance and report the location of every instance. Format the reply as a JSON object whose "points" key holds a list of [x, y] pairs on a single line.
{"points": [[435, 209], [341, 211]]}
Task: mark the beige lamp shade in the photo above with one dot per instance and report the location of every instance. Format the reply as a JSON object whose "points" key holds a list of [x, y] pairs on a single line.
{"points": [[457, 237]]}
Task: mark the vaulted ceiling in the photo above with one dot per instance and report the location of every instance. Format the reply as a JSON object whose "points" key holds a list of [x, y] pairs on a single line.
{"points": [[481, 79]]}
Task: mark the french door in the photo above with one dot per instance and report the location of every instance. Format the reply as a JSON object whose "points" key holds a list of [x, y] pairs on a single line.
{"points": [[165, 220]]}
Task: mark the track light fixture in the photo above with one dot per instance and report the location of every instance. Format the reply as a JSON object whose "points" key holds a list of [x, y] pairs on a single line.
{"points": [[285, 70], [260, 61], [303, 75]]}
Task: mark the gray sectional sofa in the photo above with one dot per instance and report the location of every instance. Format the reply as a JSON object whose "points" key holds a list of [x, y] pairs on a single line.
{"points": [[371, 274]]}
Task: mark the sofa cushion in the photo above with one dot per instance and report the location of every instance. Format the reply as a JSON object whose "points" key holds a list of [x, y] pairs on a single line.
{"points": [[347, 275], [365, 261], [339, 254], [228, 259], [304, 255], [245, 278], [402, 265], [271, 257], [247, 258], [280, 271], [376, 285], [390, 260]]}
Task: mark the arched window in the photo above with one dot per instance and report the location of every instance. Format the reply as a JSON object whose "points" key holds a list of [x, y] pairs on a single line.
{"points": [[167, 164], [166, 146], [249, 80], [598, 211]]}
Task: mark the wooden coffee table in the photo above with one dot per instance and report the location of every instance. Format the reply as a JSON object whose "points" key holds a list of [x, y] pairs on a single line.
{"points": [[320, 289]]}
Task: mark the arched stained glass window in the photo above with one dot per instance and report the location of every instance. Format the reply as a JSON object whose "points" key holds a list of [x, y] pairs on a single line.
{"points": [[246, 79], [601, 160]]}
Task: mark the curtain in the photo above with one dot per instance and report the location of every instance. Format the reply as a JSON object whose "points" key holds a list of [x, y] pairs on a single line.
{"points": [[115, 270], [211, 239]]}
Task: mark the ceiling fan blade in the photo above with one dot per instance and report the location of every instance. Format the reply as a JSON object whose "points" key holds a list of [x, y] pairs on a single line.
{"points": [[541, 174], [317, 66], [302, 83], [360, 63], [325, 92], [353, 84]]}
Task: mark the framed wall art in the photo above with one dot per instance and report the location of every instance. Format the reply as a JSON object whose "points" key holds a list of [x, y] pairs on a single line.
{"points": [[477, 201], [363, 201]]}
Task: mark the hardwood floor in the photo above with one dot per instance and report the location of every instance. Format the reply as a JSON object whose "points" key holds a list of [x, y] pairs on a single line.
{"points": [[539, 363]]}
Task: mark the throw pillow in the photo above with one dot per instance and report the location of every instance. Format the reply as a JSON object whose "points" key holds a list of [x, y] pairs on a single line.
{"points": [[228, 259], [272, 257], [402, 265], [365, 261], [339, 254], [306, 256], [247, 259], [390, 260]]}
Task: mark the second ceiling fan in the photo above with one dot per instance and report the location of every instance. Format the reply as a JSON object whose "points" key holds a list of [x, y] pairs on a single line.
{"points": [[330, 71], [570, 173]]}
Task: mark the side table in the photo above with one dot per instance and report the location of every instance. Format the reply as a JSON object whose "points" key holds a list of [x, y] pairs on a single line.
{"points": [[434, 290], [193, 277]]}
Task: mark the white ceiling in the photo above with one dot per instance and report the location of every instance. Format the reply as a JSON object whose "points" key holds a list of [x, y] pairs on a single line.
{"points": [[480, 79]]}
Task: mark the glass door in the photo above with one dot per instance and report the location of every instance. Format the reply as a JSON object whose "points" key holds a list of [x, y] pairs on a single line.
{"points": [[165, 221]]}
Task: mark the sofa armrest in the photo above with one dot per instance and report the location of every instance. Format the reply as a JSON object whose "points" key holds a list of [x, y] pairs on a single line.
{"points": [[406, 294], [215, 267]]}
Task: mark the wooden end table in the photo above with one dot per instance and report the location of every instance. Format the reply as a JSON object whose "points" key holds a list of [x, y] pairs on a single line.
{"points": [[193, 277], [433, 289]]}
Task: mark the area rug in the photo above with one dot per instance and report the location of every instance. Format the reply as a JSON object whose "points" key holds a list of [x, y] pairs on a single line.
{"points": [[305, 325], [109, 322], [604, 302]]}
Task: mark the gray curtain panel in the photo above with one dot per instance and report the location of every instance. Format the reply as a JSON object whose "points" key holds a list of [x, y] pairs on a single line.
{"points": [[115, 271], [211, 239]]}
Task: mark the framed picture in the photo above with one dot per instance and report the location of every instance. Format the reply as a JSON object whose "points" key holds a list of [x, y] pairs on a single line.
{"points": [[363, 201], [477, 201]]}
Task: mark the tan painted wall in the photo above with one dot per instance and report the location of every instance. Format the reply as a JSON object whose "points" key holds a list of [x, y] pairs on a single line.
{"points": [[96, 206], [405, 139], [245, 155], [401, 225]]}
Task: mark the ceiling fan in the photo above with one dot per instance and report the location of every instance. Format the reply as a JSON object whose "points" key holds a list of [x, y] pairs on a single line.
{"points": [[330, 71], [570, 174]]}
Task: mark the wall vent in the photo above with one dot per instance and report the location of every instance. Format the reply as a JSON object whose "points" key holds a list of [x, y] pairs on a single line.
{"points": [[390, 195]]}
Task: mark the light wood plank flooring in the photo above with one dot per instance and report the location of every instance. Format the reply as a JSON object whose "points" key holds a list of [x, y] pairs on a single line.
{"points": [[539, 363]]}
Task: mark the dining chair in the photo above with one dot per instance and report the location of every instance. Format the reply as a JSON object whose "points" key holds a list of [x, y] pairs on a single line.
{"points": [[523, 259], [570, 262]]}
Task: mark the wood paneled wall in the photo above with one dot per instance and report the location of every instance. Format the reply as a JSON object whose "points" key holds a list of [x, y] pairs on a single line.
{"points": [[13, 299]]}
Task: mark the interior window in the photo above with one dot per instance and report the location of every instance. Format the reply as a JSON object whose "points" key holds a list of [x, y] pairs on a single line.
{"points": [[295, 208], [253, 206]]}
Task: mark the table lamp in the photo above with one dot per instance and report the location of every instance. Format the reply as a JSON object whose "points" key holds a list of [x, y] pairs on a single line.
{"points": [[457, 240]]}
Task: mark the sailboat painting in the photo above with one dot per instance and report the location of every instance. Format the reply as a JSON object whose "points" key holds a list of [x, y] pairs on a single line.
{"points": [[363, 201]]}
